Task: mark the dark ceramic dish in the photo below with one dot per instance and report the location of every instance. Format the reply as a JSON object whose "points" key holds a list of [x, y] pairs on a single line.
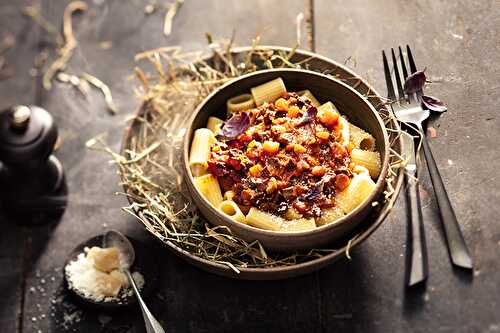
{"points": [[349, 102]]}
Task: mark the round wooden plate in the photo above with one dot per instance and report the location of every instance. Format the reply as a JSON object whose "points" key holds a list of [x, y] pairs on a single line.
{"points": [[324, 65]]}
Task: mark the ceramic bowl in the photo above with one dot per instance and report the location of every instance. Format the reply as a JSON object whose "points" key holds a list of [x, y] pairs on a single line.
{"points": [[325, 88]]}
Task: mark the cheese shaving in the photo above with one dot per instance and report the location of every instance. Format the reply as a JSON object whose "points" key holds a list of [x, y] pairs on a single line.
{"points": [[87, 280]]}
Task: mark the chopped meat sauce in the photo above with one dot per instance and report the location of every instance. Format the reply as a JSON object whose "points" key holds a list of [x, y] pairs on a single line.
{"points": [[289, 156]]}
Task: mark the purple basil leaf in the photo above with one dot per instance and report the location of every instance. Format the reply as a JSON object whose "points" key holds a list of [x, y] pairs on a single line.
{"points": [[308, 116], [315, 191], [415, 82], [433, 104], [235, 125]]}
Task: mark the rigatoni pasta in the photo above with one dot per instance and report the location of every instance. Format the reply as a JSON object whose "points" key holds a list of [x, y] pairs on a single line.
{"points": [[268, 92], [214, 124], [200, 150], [209, 187], [345, 132], [229, 195], [368, 159], [240, 103], [308, 94], [298, 225], [330, 215], [283, 161], [360, 187], [231, 209], [292, 214], [263, 220], [361, 139]]}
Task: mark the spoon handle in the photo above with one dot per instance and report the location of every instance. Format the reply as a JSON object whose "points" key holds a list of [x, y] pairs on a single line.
{"points": [[152, 325], [457, 247]]}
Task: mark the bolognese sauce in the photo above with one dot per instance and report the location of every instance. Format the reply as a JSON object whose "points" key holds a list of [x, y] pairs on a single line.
{"points": [[282, 155]]}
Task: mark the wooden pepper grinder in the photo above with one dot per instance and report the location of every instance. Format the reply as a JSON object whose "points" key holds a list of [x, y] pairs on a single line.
{"points": [[31, 178]]}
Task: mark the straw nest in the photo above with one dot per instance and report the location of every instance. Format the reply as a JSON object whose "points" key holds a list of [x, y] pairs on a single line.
{"points": [[172, 84]]}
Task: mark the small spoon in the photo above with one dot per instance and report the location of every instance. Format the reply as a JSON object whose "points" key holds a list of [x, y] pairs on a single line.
{"points": [[116, 239]]}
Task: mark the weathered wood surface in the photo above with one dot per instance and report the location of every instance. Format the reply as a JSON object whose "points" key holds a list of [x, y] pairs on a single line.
{"points": [[457, 41]]}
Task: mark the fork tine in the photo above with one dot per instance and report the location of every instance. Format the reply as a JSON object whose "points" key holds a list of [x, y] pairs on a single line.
{"points": [[405, 72], [403, 65], [401, 92], [413, 68], [390, 88]]}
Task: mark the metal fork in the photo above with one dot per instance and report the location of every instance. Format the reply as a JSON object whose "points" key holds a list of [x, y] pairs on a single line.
{"points": [[419, 268], [408, 109]]}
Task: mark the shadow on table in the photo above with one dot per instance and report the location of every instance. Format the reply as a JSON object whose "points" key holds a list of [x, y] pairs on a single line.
{"points": [[30, 231], [191, 300], [68, 315]]}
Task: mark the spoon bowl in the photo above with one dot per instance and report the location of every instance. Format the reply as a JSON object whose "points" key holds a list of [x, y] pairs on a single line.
{"points": [[145, 264], [114, 238]]}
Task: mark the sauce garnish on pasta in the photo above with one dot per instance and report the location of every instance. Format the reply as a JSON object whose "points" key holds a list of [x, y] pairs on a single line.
{"points": [[283, 154]]}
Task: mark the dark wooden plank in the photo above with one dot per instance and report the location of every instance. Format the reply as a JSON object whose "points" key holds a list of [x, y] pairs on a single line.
{"points": [[457, 42], [11, 259], [188, 299], [16, 89]]}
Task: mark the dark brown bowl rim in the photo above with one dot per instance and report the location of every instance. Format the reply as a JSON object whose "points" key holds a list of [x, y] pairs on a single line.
{"points": [[348, 218], [280, 272]]}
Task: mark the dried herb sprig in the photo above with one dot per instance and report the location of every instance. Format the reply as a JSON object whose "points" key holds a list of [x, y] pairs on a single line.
{"points": [[169, 16], [70, 43]]}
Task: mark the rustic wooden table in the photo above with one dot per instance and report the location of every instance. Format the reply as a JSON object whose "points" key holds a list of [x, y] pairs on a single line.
{"points": [[458, 41]]}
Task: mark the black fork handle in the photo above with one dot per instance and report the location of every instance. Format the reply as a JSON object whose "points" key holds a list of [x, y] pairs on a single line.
{"points": [[457, 247], [419, 267]]}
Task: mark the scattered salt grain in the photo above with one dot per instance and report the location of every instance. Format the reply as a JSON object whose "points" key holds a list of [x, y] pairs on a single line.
{"points": [[71, 318]]}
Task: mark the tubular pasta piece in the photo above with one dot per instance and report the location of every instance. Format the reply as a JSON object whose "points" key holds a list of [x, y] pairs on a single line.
{"points": [[359, 189], [229, 195], [269, 91], [240, 103], [344, 132], [361, 139], [309, 95], [231, 209], [214, 124], [298, 225], [200, 150], [209, 187], [329, 215], [292, 214], [369, 159], [259, 219]]}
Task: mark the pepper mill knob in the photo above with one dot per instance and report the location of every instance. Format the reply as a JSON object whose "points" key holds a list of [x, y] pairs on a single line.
{"points": [[20, 115], [30, 176]]}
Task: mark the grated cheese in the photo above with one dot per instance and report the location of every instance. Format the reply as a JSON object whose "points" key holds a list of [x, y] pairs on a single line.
{"points": [[104, 284]]}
